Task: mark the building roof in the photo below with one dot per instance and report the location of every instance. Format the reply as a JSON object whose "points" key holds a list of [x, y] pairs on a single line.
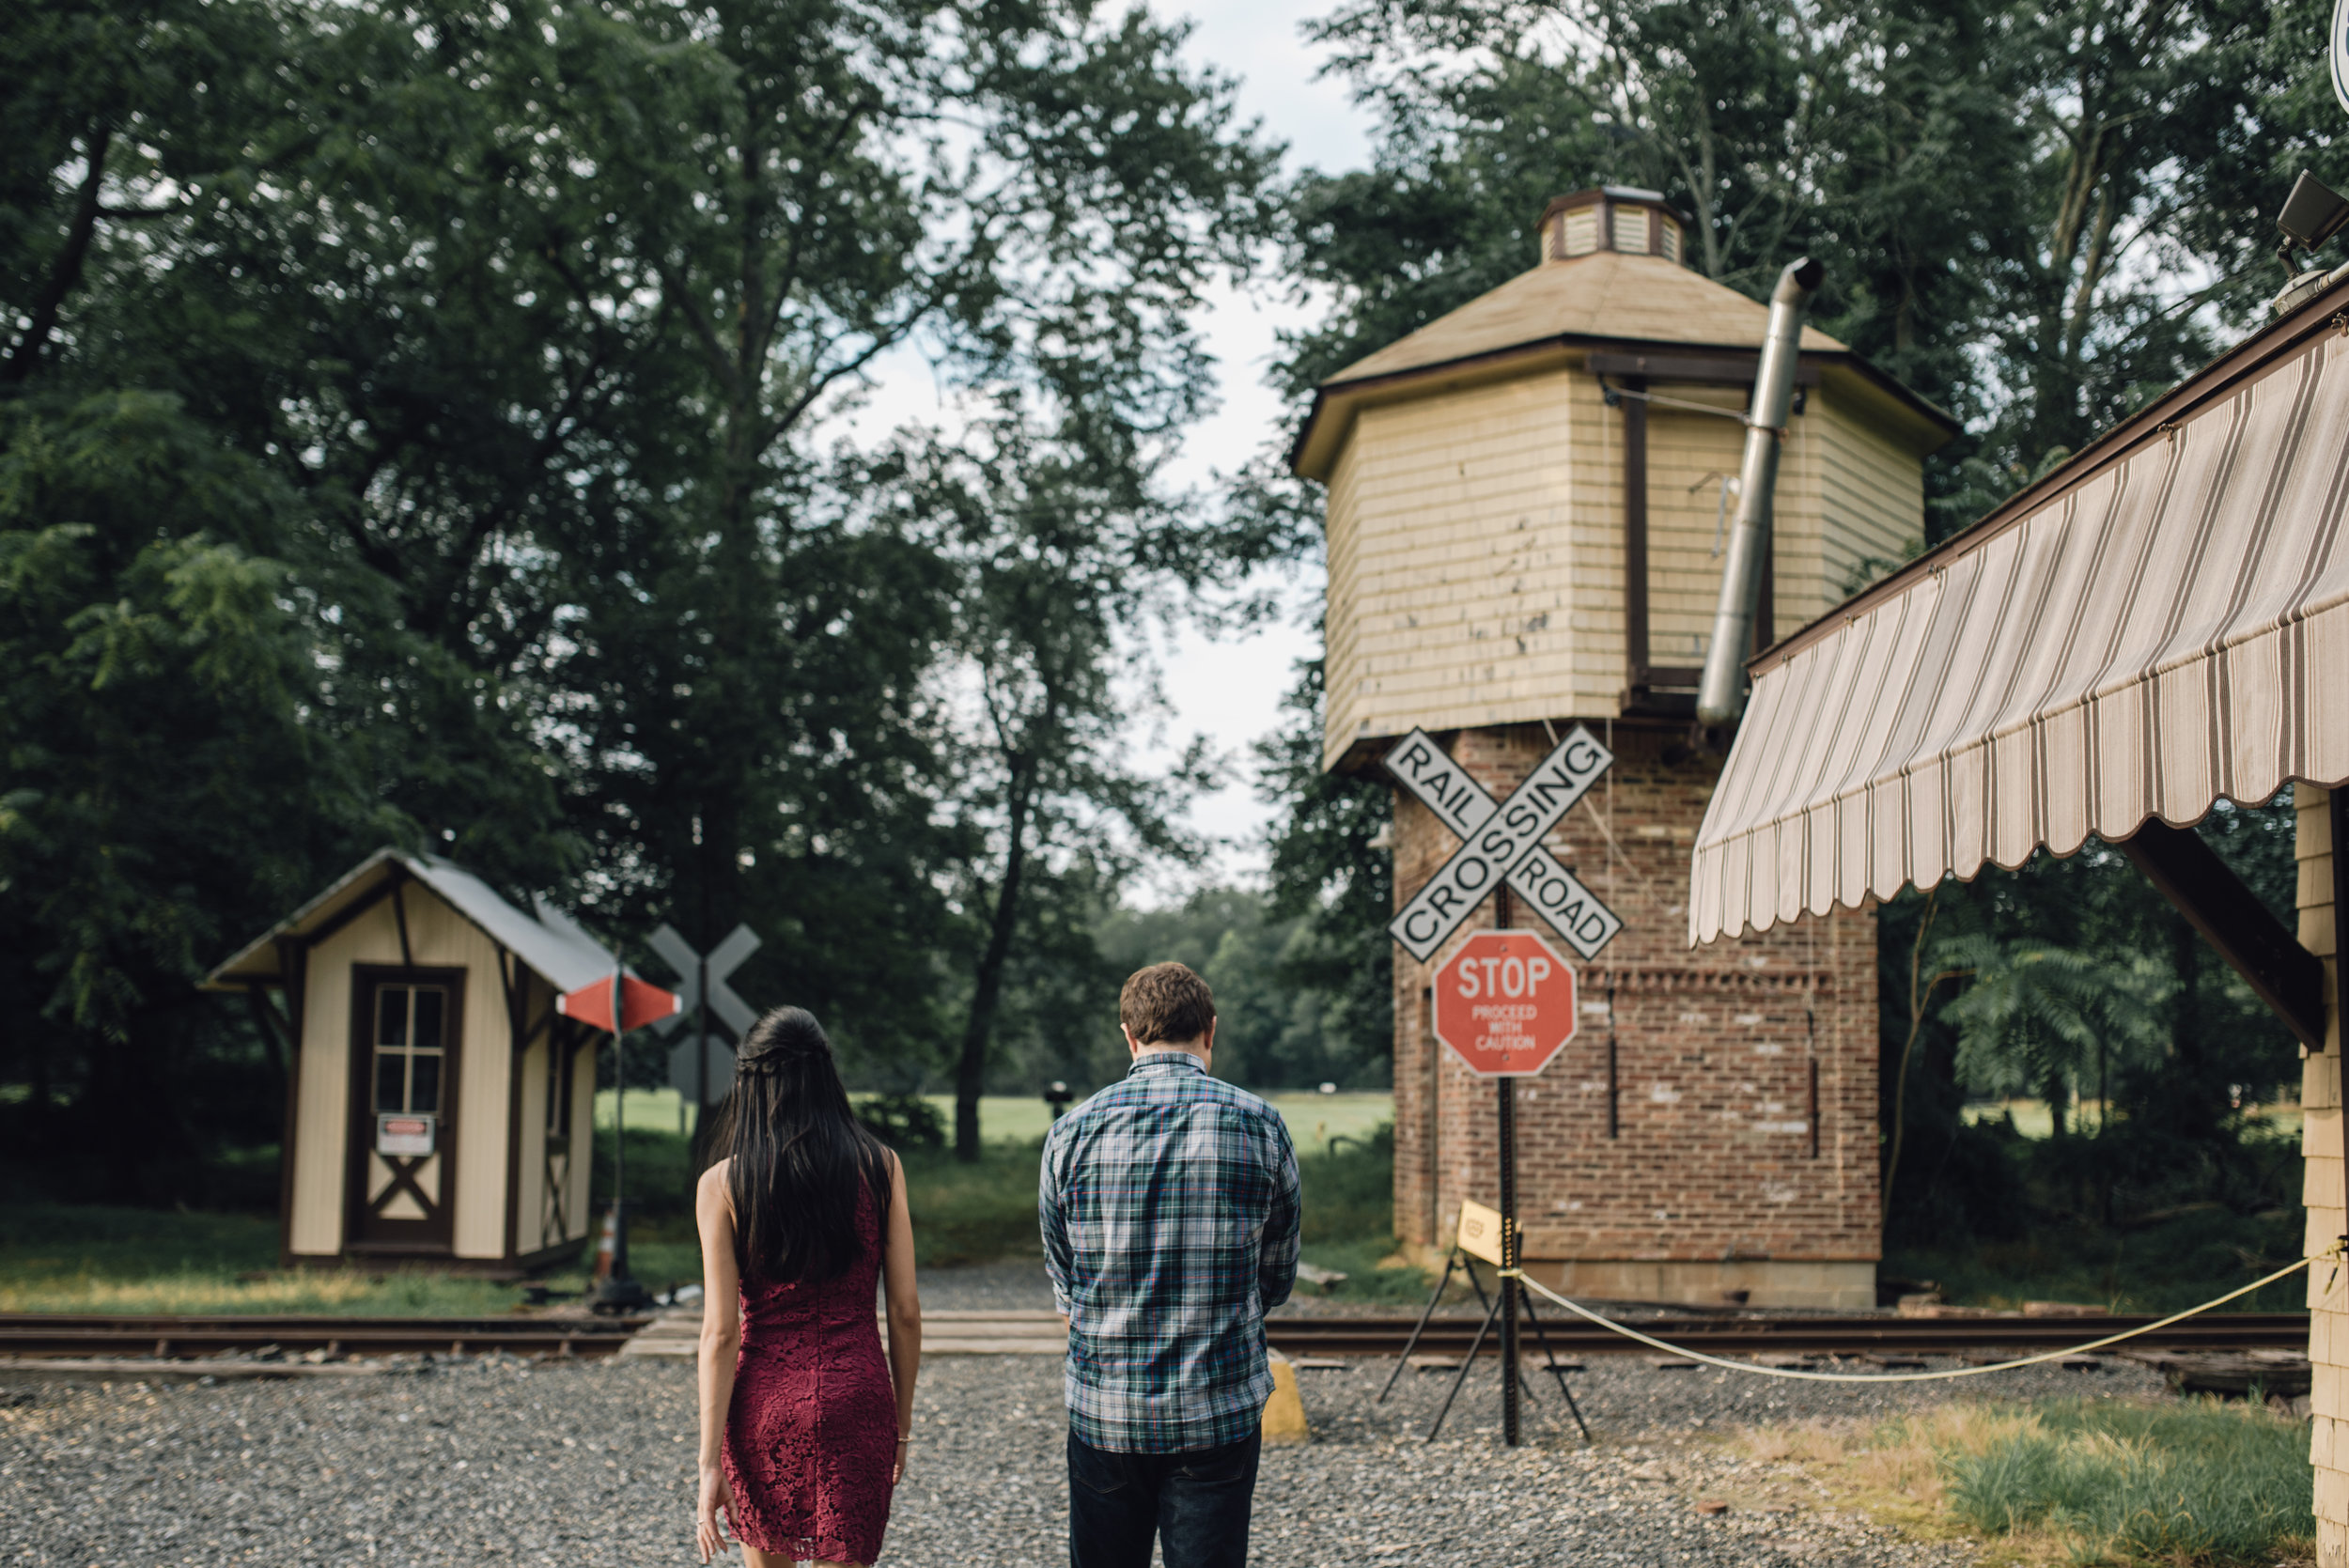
{"points": [[549, 942], [1607, 297], [2155, 626]]}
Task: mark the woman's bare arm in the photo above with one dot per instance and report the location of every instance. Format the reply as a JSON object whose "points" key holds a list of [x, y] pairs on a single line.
{"points": [[904, 1309], [721, 1338]]}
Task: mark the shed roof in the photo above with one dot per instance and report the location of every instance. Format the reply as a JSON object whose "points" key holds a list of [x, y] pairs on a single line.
{"points": [[2159, 623], [549, 942], [1607, 297]]}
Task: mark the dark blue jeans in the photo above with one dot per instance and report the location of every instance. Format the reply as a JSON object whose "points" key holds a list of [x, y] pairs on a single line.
{"points": [[1195, 1502]]}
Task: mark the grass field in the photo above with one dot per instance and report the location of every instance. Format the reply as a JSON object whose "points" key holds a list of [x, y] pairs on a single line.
{"points": [[57, 1258], [2200, 1483], [1313, 1119]]}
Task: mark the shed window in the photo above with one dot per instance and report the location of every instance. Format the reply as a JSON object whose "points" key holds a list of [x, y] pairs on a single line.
{"points": [[1669, 232], [410, 1043]]}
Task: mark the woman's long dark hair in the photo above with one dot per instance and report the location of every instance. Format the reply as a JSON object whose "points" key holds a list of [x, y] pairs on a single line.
{"points": [[802, 1159]]}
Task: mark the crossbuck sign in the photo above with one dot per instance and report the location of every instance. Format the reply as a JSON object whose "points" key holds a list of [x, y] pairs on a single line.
{"points": [[702, 1068], [1501, 843]]}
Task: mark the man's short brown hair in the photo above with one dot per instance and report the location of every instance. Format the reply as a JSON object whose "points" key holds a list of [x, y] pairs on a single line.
{"points": [[1164, 1004]]}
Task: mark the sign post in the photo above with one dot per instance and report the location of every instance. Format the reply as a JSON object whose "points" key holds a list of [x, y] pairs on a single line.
{"points": [[1506, 1007], [619, 1005], [1504, 1002]]}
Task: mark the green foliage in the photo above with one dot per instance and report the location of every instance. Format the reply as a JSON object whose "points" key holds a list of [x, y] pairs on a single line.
{"points": [[418, 427], [2195, 1483], [2163, 1264], [903, 1121], [1329, 876], [1349, 1187], [2074, 980], [1274, 1028]]}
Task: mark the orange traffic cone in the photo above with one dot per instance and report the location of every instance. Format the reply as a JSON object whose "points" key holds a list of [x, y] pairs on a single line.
{"points": [[607, 1243]]}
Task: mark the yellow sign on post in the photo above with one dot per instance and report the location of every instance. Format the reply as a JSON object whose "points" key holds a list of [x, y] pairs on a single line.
{"points": [[1480, 1232]]}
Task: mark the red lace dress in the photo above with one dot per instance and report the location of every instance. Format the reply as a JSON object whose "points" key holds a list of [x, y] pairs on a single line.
{"points": [[811, 1433]]}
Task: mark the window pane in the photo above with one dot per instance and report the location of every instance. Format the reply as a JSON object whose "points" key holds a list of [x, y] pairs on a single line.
{"points": [[391, 1015], [430, 1001], [426, 1096], [390, 1067], [555, 1091]]}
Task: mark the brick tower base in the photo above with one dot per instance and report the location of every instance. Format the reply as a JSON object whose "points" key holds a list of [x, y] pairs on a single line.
{"points": [[1709, 1135]]}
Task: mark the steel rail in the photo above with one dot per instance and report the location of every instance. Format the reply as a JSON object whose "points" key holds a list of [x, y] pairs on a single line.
{"points": [[170, 1336]]}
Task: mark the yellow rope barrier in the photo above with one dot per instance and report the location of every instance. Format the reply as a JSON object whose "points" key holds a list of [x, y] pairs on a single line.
{"points": [[1628, 1332]]}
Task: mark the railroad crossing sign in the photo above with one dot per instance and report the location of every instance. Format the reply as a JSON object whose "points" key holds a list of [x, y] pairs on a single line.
{"points": [[702, 1068], [1502, 842], [1504, 1004]]}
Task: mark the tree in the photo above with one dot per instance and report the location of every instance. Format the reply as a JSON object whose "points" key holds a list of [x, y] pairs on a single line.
{"points": [[166, 731], [532, 333], [1331, 875], [1065, 554]]}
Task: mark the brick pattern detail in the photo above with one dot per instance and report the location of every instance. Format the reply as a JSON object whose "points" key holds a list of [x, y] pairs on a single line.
{"points": [[1713, 1048], [2322, 1191]]}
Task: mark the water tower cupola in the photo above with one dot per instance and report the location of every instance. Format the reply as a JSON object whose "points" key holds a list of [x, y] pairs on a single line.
{"points": [[1619, 218]]}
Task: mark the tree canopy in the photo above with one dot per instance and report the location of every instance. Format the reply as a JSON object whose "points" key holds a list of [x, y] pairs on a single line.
{"points": [[423, 425]]}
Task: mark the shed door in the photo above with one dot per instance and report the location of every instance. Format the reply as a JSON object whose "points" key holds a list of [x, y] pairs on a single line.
{"points": [[404, 1060]]}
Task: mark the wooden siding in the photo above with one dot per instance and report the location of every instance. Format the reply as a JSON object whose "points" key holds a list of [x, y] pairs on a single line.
{"points": [[439, 937], [1873, 500], [1475, 545], [1449, 560], [322, 1108]]}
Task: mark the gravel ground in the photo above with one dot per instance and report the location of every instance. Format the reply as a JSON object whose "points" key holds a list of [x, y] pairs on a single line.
{"points": [[494, 1460], [1018, 1285]]}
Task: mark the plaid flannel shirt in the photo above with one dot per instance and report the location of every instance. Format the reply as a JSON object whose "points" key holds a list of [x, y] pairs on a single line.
{"points": [[1169, 1204]]}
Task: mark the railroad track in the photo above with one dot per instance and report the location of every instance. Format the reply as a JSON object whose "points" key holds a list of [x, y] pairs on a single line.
{"points": [[1769, 1336], [94, 1335], [99, 1336]]}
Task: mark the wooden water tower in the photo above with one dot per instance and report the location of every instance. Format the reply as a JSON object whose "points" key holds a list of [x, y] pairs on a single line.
{"points": [[1527, 502]]}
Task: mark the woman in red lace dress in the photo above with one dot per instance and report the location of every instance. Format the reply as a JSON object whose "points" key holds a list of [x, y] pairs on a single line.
{"points": [[804, 1428]]}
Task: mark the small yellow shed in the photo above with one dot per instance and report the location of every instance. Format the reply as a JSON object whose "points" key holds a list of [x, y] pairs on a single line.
{"points": [[439, 1110]]}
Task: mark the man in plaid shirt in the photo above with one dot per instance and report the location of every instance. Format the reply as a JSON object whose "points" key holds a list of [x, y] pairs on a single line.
{"points": [[1169, 1210]]}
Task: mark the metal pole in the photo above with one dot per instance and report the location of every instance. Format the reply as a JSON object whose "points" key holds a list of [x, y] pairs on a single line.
{"points": [[1508, 1108], [1467, 1363], [1417, 1329], [619, 1139]]}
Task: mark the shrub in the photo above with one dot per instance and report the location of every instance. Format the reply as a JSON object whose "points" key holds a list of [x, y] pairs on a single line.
{"points": [[903, 1121]]}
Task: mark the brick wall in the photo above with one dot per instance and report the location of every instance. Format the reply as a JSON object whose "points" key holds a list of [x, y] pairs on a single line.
{"points": [[1713, 1156], [2320, 1148]]}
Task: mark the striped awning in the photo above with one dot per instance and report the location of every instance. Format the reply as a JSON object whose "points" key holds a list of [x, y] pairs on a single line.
{"points": [[2162, 622]]}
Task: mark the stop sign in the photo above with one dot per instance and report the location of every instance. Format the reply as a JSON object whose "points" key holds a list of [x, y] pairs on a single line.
{"points": [[1504, 1004]]}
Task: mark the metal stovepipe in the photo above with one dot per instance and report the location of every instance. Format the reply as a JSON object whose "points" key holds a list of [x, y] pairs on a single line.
{"points": [[1722, 693]]}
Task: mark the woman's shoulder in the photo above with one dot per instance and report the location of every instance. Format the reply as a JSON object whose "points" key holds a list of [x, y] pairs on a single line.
{"points": [[714, 1179]]}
